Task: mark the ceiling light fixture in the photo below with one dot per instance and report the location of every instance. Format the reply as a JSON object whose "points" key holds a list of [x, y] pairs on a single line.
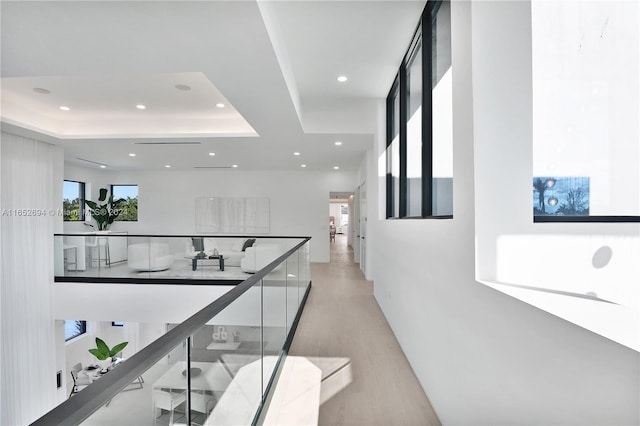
{"points": [[212, 154], [168, 166], [65, 108], [303, 165], [335, 167], [296, 153], [338, 143], [220, 105], [132, 155], [102, 166], [140, 106], [342, 78], [182, 87], [234, 166], [41, 90]]}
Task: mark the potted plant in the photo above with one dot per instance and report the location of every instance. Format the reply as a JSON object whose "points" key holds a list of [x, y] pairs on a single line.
{"points": [[104, 354], [105, 212]]}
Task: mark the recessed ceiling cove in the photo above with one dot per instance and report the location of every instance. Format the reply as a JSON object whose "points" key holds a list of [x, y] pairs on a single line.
{"points": [[100, 107]]}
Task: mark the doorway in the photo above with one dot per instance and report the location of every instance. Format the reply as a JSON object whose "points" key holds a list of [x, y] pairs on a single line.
{"points": [[340, 219]]}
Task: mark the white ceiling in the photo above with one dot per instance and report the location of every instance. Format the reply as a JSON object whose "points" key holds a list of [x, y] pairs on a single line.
{"points": [[273, 64]]}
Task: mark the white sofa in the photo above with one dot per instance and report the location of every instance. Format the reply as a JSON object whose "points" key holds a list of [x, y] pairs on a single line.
{"points": [[230, 248], [149, 256], [257, 257]]}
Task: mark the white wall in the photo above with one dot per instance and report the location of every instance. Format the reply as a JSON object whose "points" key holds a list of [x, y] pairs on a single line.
{"points": [[485, 358], [298, 199]]}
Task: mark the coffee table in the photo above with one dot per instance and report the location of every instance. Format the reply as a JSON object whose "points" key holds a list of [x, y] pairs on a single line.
{"points": [[195, 259]]}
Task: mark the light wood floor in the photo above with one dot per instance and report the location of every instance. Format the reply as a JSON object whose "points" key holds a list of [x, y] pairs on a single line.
{"points": [[366, 378]]}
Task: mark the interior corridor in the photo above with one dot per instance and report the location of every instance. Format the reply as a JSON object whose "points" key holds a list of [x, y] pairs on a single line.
{"points": [[366, 379]]}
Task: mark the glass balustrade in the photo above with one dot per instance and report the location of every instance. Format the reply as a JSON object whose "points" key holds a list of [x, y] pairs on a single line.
{"points": [[217, 367], [121, 257]]}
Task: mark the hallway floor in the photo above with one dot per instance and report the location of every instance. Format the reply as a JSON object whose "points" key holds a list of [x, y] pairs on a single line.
{"points": [[366, 379]]}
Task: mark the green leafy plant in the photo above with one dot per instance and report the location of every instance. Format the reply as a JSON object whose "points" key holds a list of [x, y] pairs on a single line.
{"points": [[102, 351], [105, 212]]}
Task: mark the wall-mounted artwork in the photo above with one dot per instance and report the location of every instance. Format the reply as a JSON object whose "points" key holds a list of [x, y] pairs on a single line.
{"points": [[232, 215], [560, 196]]}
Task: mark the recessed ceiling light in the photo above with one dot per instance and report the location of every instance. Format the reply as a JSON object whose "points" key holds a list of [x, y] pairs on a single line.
{"points": [[132, 155], [41, 90], [182, 87], [296, 153], [303, 165], [342, 78], [102, 166], [338, 143], [65, 108], [220, 105], [140, 106], [212, 154], [168, 166], [335, 167], [234, 166]]}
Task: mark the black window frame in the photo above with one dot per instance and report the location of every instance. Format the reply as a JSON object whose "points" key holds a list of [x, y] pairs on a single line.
{"points": [[83, 324], [399, 85], [112, 193], [81, 204]]}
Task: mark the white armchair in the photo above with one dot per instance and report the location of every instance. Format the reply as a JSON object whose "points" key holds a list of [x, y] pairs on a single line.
{"points": [[258, 257], [80, 381], [168, 401], [149, 256]]}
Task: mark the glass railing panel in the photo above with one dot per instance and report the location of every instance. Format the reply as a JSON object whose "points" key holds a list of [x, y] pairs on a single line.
{"points": [[157, 396], [305, 271], [274, 307], [291, 281], [129, 257], [227, 351]]}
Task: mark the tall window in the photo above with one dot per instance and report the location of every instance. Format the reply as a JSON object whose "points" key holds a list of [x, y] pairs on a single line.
{"points": [[129, 207], [74, 328], [420, 124], [73, 201]]}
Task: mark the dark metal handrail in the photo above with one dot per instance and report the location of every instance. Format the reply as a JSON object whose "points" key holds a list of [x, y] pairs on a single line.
{"points": [[85, 403]]}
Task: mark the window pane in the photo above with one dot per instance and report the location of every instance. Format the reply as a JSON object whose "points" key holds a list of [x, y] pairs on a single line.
{"points": [[586, 83], [129, 207], [414, 133], [74, 328], [393, 154], [73, 200], [442, 104]]}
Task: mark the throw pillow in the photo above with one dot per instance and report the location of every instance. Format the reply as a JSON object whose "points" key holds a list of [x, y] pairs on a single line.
{"points": [[198, 245], [248, 243]]}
